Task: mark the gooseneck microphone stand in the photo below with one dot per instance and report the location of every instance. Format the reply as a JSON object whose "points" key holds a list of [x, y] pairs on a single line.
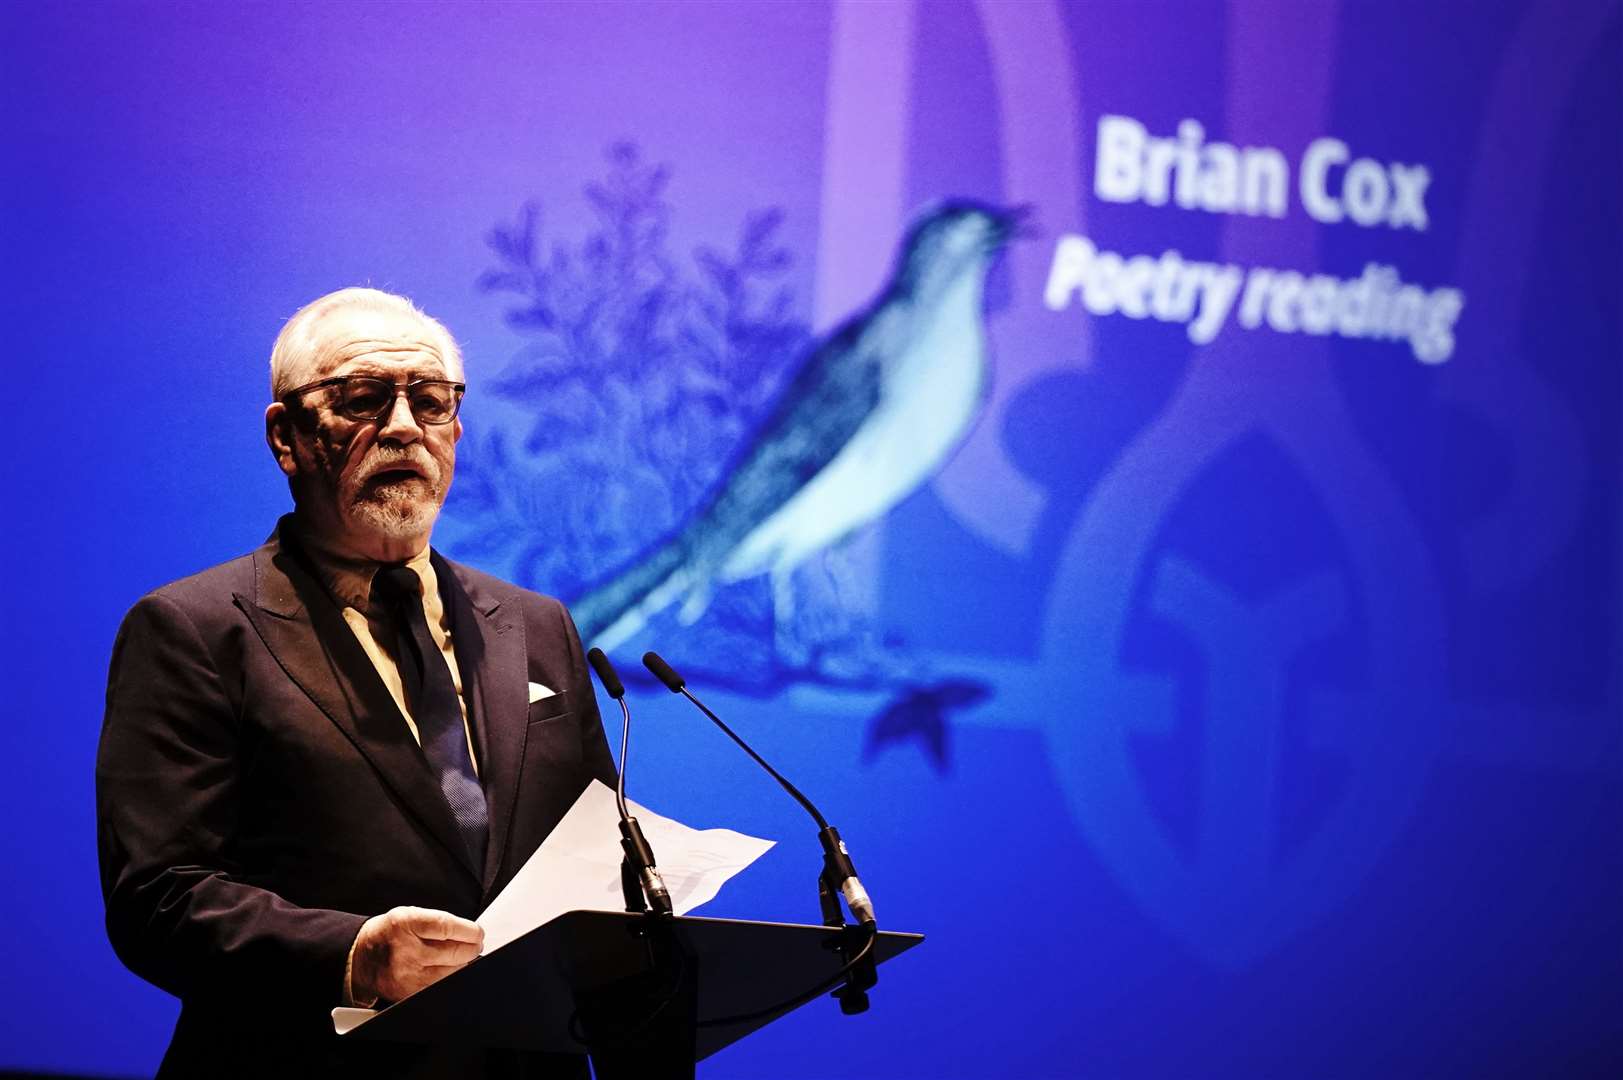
{"points": [[838, 877], [640, 1026], [640, 882]]}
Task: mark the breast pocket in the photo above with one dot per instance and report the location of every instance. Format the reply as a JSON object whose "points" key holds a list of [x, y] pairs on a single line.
{"points": [[551, 707], [552, 737]]}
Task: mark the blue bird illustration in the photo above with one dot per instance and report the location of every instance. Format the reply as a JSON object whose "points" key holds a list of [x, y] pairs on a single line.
{"points": [[873, 411]]}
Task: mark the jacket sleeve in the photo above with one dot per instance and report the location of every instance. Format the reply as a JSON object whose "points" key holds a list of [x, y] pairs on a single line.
{"points": [[594, 743], [168, 778]]}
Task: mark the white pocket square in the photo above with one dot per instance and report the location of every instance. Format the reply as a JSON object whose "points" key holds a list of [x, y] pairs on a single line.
{"points": [[537, 692]]}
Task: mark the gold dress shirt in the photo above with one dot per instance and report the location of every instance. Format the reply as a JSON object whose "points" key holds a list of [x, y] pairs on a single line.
{"points": [[349, 583]]}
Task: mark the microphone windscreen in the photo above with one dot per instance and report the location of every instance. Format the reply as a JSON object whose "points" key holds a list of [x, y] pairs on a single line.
{"points": [[663, 672], [606, 674]]}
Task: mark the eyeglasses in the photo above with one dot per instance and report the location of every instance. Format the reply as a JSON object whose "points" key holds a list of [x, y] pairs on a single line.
{"points": [[367, 397]]}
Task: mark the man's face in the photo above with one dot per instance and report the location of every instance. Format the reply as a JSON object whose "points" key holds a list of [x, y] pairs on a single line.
{"points": [[368, 488]]}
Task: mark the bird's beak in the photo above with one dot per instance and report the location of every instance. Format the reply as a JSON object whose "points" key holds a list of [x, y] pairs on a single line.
{"points": [[1015, 223]]}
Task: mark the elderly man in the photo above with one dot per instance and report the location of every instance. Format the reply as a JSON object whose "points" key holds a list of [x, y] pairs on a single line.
{"points": [[320, 760]]}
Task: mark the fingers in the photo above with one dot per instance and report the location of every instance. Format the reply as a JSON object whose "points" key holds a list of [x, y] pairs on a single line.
{"points": [[431, 925], [445, 953], [443, 939], [425, 938], [407, 948]]}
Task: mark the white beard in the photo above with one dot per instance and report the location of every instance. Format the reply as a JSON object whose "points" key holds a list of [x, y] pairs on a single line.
{"points": [[398, 511]]}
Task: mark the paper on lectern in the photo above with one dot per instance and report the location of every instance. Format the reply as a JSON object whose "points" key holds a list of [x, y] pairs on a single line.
{"points": [[577, 867]]}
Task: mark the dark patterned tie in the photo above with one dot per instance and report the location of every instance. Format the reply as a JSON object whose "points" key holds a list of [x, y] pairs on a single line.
{"points": [[434, 705]]}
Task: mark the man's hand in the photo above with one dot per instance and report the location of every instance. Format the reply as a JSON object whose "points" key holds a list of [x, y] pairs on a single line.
{"points": [[407, 948]]}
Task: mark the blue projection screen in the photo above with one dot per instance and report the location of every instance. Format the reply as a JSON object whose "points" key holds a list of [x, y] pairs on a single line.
{"points": [[1211, 637]]}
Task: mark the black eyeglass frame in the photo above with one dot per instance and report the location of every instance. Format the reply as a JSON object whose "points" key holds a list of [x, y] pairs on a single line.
{"points": [[458, 389]]}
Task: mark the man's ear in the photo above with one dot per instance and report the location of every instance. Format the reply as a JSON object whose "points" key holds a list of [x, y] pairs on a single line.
{"points": [[456, 430], [279, 437]]}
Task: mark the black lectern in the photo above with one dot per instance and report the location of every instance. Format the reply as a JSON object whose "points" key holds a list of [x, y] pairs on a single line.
{"points": [[645, 996]]}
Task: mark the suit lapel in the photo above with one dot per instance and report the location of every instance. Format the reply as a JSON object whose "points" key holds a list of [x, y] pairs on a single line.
{"points": [[488, 637], [306, 633]]}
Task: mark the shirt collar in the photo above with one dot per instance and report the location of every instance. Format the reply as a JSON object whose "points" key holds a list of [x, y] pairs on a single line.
{"points": [[349, 581]]}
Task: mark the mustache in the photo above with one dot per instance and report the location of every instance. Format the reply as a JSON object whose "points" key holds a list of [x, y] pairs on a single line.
{"points": [[384, 458]]}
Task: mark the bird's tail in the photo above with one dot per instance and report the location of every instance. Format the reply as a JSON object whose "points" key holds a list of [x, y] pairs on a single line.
{"points": [[618, 608]]}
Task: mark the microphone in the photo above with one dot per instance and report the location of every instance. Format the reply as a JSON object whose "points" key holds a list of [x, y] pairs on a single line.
{"points": [[639, 857], [838, 870]]}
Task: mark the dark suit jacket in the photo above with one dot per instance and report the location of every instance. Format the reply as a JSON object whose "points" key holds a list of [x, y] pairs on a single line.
{"points": [[259, 797]]}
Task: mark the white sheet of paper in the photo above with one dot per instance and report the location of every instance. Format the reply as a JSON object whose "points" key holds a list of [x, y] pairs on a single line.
{"points": [[346, 1020], [577, 867]]}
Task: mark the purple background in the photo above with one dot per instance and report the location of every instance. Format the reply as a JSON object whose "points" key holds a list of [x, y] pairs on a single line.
{"points": [[1443, 890]]}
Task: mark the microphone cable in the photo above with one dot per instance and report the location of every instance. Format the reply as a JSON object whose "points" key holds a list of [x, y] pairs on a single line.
{"points": [[871, 935]]}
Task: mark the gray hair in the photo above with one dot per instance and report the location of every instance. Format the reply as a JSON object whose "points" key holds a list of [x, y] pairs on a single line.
{"points": [[298, 346]]}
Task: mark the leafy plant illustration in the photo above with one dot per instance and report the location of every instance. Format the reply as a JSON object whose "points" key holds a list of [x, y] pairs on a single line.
{"points": [[640, 376]]}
